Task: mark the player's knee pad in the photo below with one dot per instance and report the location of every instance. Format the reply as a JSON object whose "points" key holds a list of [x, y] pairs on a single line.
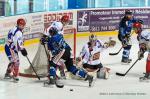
{"points": [[103, 73], [148, 64], [126, 53]]}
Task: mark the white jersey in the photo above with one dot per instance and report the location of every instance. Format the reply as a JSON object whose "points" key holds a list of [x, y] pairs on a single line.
{"points": [[56, 24], [15, 39], [145, 38], [92, 56]]}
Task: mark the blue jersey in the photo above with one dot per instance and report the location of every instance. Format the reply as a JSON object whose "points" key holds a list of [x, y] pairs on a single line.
{"points": [[125, 26], [56, 43]]}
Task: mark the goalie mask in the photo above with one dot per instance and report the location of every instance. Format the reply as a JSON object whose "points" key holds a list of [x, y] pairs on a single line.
{"points": [[92, 38]]}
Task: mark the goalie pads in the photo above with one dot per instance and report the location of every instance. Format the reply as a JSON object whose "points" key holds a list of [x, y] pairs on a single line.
{"points": [[103, 73]]}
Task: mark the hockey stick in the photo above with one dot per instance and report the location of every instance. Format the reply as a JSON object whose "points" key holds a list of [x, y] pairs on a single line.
{"points": [[119, 49], [120, 74], [116, 52], [33, 68], [45, 50]]}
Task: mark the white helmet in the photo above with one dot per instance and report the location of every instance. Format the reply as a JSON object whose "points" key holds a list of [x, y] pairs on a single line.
{"points": [[92, 38]]}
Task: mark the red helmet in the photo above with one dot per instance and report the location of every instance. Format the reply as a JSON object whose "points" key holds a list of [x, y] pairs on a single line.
{"points": [[65, 18], [137, 25], [21, 21]]}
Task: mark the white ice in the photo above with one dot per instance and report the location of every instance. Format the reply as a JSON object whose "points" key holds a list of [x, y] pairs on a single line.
{"points": [[115, 87]]}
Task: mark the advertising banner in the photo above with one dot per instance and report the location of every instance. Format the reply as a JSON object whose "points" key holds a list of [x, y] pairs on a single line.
{"points": [[108, 19]]}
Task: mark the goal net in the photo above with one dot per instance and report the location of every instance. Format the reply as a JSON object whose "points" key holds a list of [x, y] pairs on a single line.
{"points": [[40, 61]]}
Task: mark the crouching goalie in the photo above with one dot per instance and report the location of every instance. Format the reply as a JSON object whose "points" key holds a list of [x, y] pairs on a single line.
{"points": [[90, 56], [61, 50]]}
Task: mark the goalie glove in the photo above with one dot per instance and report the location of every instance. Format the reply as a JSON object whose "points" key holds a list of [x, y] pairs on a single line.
{"points": [[111, 43]]}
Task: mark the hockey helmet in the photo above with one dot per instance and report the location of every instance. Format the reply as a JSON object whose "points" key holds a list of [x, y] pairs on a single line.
{"points": [[128, 12], [53, 31], [65, 18], [21, 21], [137, 25]]}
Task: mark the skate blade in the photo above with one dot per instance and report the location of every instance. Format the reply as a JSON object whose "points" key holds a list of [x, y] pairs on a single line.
{"points": [[125, 63], [142, 80], [48, 85]]}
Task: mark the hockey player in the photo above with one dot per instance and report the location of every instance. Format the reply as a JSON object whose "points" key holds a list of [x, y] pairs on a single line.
{"points": [[61, 50], [13, 45], [125, 28], [90, 56], [144, 45], [59, 25]]}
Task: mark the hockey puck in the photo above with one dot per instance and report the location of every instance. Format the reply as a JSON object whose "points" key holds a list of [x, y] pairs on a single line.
{"points": [[71, 89]]}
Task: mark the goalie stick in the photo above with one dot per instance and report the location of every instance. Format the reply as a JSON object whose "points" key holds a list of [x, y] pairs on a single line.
{"points": [[33, 68], [120, 74]]}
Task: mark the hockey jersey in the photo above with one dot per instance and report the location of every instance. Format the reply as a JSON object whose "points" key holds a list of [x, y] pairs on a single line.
{"points": [[56, 43], [56, 24], [145, 38], [15, 39], [92, 56], [125, 26]]}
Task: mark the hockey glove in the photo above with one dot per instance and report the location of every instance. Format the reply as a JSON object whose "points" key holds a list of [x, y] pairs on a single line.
{"points": [[24, 52], [140, 55], [142, 51], [125, 42], [44, 40], [127, 36]]}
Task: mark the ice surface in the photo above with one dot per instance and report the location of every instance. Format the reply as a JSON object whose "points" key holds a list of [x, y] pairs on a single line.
{"points": [[115, 87]]}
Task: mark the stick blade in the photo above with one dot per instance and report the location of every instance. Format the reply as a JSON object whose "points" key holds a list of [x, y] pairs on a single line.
{"points": [[120, 74], [113, 53]]}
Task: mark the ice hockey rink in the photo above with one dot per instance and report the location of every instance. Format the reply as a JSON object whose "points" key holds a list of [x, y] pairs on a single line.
{"points": [[116, 87]]}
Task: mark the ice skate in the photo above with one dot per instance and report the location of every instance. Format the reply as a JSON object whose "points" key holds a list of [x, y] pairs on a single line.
{"points": [[126, 61], [90, 79], [62, 75], [51, 81], [8, 76], [15, 79], [146, 78]]}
